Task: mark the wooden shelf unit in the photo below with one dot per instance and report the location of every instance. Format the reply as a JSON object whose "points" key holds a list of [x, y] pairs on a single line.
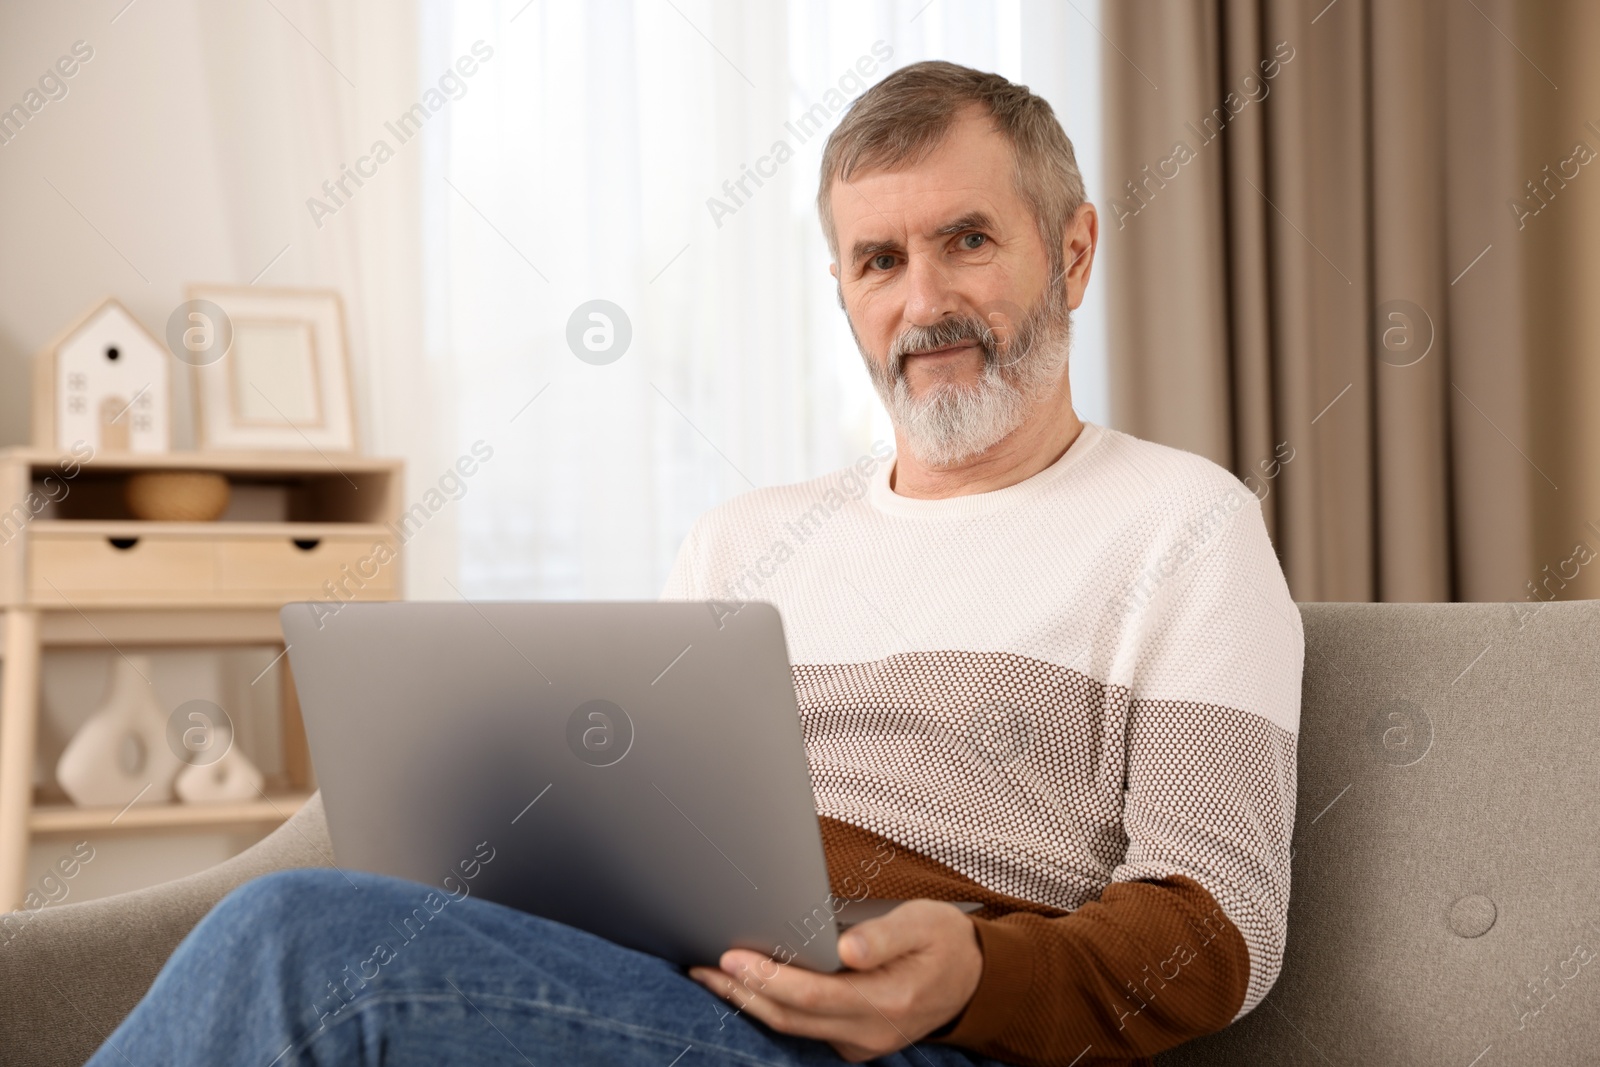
{"points": [[83, 572], [71, 819]]}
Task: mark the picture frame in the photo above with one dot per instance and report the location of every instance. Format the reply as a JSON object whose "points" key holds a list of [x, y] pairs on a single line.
{"points": [[283, 382]]}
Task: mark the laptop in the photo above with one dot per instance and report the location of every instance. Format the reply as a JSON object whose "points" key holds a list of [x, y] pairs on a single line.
{"points": [[631, 768]]}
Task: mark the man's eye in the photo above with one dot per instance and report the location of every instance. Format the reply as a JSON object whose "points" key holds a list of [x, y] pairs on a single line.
{"points": [[878, 261], [967, 238]]}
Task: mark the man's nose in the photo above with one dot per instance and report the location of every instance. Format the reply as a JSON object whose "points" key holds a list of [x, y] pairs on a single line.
{"points": [[930, 295]]}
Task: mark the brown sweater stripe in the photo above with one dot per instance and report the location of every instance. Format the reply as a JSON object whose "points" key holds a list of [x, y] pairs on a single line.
{"points": [[1146, 967]]}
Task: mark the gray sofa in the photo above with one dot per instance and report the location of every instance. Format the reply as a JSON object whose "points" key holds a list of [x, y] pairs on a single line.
{"points": [[1446, 896]]}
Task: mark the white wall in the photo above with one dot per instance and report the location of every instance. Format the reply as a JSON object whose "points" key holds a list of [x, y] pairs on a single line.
{"points": [[131, 148]]}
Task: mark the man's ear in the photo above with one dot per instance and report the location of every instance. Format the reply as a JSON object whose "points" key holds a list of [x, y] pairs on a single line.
{"points": [[1078, 245]]}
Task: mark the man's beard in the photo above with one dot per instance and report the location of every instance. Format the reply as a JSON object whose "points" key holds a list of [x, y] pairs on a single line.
{"points": [[950, 423]]}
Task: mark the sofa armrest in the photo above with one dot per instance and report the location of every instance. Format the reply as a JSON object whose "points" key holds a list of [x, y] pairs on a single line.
{"points": [[70, 974]]}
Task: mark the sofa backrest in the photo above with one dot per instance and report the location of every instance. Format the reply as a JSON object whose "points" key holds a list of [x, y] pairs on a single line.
{"points": [[1445, 896]]}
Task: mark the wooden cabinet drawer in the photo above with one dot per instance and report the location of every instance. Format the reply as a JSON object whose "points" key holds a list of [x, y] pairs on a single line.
{"points": [[282, 568], [69, 568], [81, 569]]}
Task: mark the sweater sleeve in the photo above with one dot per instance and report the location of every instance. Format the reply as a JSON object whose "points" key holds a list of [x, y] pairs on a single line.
{"points": [[1146, 967], [1189, 934], [1050, 991]]}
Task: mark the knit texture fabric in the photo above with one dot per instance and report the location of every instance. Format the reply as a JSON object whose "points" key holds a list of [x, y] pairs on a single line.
{"points": [[1074, 699]]}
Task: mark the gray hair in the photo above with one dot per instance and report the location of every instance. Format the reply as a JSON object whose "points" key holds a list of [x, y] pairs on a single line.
{"points": [[902, 119]]}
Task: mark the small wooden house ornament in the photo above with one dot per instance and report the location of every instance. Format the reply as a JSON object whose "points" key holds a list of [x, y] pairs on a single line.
{"points": [[105, 381]]}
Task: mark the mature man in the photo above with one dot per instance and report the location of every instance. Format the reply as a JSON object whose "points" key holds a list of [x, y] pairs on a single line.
{"points": [[1057, 666], [1041, 665]]}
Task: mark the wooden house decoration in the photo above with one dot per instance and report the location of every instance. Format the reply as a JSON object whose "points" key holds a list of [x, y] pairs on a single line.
{"points": [[106, 381]]}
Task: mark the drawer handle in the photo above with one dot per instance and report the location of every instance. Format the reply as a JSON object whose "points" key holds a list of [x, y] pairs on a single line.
{"points": [[306, 544], [122, 544]]}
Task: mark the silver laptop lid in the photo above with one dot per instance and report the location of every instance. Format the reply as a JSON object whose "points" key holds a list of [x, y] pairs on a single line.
{"points": [[634, 769]]}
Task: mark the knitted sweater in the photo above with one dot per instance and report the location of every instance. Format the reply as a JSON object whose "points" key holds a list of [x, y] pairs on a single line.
{"points": [[1074, 700]]}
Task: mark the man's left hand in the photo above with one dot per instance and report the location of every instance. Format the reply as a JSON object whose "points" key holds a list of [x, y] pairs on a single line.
{"points": [[907, 974]]}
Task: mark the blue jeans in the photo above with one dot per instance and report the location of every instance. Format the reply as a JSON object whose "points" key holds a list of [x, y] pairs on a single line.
{"points": [[322, 967]]}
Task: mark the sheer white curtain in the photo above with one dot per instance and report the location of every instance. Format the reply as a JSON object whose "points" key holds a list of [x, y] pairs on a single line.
{"points": [[577, 165], [298, 94]]}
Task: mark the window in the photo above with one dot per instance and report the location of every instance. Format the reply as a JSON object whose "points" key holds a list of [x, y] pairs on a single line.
{"points": [[598, 155]]}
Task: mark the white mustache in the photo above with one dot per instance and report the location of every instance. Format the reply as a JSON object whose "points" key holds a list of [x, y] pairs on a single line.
{"points": [[927, 339]]}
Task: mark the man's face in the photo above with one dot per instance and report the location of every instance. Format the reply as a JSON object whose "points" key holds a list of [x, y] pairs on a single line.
{"points": [[947, 287]]}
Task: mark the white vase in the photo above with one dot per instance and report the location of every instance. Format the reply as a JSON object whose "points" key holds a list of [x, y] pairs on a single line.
{"points": [[123, 748], [231, 777]]}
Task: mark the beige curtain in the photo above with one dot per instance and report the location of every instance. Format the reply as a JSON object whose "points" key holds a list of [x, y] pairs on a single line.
{"points": [[1320, 278]]}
